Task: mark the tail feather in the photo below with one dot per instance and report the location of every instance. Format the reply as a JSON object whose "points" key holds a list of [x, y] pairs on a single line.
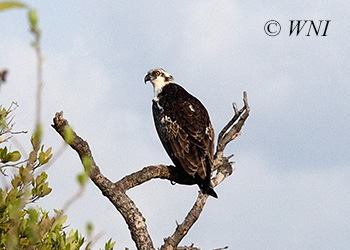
{"points": [[210, 192], [206, 189], [205, 184]]}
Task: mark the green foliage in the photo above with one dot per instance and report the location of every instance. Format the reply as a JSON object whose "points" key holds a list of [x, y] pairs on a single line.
{"points": [[109, 245], [3, 123], [89, 228], [3, 114], [45, 156], [22, 224], [33, 18], [6, 5], [36, 137], [87, 163], [83, 177], [6, 156], [68, 134]]}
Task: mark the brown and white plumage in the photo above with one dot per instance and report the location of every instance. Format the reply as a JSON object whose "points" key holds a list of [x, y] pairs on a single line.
{"points": [[184, 128]]}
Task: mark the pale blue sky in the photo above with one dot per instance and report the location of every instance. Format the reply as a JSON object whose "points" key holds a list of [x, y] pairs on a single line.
{"points": [[291, 186]]}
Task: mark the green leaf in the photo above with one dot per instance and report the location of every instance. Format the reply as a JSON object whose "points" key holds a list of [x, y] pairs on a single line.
{"points": [[3, 152], [59, 223], [41, 157], [16, 181], [44, 156], [33, 18], [37, 136], [109, 245], [48, 151], [3, 113], [40, 178], [82, 178], [43, 175], [87, 163], [15, 156], [89, 228], [4, 156], [32, 156], [45, 190], [68, 134], [6, 5]]}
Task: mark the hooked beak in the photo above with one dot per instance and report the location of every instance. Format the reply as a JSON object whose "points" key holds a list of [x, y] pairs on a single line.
{"points": [[147, 78]]}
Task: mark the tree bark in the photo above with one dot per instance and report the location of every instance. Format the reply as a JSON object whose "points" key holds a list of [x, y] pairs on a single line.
{"points": [[116, 192]]}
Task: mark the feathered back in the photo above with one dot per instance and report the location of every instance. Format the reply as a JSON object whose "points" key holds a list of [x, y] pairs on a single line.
{"points": [[184, 128]]}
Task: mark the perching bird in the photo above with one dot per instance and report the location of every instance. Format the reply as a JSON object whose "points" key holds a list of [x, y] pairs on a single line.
{"points": [[184, 128]]}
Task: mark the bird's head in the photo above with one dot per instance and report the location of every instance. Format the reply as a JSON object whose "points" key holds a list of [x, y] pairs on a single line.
{"points": [[158, 77]]}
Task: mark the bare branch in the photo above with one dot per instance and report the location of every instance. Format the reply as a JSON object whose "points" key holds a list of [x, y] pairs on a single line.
{"points": [[39, 74], [7, 122], [170, 173], [3, 171], [233, 128], [72, 199], [116, 192], [182, 229], [119, 199], [224, 169], [221, 248], [14, 165], [188, 248]]}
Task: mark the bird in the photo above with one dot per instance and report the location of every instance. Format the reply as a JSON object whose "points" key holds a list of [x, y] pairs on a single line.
{"points": [[184, 128]]}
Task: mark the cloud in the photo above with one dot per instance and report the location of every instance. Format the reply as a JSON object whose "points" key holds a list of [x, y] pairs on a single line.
{"points": [[261, 208], [290, 187], [209, 29]]}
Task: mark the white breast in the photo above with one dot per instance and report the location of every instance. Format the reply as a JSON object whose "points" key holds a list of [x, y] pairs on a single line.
{"points": [[158, 85]]}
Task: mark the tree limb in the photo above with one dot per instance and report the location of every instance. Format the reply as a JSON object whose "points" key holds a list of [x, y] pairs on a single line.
{"points": [[234, 126], [127, 208], [182, 229], [116, 192]]}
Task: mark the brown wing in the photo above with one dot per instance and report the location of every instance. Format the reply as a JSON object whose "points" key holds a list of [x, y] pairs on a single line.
{"points": [[185, 130]]}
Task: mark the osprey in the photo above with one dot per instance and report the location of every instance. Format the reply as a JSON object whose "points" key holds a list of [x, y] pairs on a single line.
{"points": [[184, 128]]}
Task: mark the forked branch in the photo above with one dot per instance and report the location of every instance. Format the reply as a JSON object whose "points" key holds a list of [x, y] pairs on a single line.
{"points": [[116, 192], [232, 129], [117, 197]]}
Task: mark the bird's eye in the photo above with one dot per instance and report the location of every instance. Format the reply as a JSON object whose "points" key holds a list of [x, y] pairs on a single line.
{"points": [[157, 73]]}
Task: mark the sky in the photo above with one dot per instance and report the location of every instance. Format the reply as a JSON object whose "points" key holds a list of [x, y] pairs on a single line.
{"points": [[290, 189]]}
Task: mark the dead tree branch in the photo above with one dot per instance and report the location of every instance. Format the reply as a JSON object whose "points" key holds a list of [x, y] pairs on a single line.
{"points": [[116, 192], [119, 199], [182, 229], [231, 130]]}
